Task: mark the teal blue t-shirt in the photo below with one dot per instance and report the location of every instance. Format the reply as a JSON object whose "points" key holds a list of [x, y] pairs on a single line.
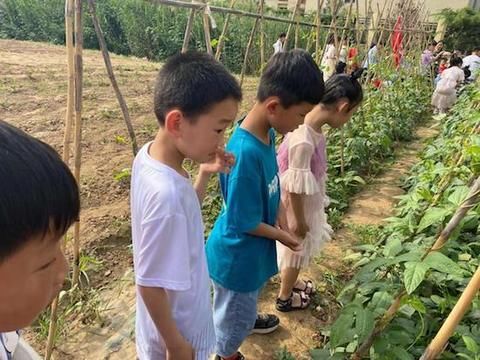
{"points": [[237, 260]]}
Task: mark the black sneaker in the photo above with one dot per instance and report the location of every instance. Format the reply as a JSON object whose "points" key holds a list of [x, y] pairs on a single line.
{"points": [[265, 324], [239, 356]]}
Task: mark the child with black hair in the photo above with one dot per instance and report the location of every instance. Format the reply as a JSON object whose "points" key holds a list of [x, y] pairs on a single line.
{"points": [[303, 172], [445, 94], [39, 200], [196, 99], [241, 250]]}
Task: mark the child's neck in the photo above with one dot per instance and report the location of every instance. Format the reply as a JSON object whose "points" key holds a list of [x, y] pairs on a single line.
{"points": [[322, 116], [257, 123], [165, 151]]}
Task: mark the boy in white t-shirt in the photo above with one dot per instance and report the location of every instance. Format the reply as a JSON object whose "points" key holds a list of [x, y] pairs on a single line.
{"points": [[39, 200], [196, 99]]}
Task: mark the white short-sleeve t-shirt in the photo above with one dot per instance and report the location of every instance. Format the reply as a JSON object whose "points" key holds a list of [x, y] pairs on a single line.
{"points": [[168, 252]]}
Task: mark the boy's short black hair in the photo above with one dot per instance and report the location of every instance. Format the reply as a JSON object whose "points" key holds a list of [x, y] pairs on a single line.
{"points": [[282, 35], [192, 82], [294, 77], [456, 61], [38, 193]]}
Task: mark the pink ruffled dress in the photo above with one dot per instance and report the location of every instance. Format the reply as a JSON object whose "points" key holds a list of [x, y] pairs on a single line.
{"points": [[302, 160]]}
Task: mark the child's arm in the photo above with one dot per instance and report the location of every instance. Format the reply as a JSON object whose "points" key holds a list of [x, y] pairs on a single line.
{"points": [[222, 162], [300, 227], [156, 301], [273, 233]]}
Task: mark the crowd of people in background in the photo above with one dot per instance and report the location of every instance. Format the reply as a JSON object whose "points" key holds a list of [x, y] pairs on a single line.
{"points": [[449, 70]]}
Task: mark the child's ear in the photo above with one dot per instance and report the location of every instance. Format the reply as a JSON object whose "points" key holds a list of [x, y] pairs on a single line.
{"points": [[272, 104], [173, 122], [343, 106]]}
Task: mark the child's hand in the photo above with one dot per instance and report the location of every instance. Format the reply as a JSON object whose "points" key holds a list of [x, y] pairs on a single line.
{"points": [[290, 241], [222, 162], [300, 228], [183, 351]]}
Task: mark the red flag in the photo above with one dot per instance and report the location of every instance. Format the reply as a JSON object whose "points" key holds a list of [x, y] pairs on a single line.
{"points": [[397, 38]]}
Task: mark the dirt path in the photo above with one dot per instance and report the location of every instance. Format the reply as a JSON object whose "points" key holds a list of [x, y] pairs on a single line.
{"points": [[299, 331]]}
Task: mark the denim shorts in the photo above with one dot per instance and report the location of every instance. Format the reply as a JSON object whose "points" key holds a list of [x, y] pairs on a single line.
{"points": [[234, 315]]}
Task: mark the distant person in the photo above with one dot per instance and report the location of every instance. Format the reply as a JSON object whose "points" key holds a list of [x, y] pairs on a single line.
{"points": [[473, 63], [427, 58], [278, 47], [445, 94], [372, 56], [329, 59]]}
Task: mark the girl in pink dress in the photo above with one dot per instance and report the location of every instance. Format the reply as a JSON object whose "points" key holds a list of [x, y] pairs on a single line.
{"points": [[302, 162]]}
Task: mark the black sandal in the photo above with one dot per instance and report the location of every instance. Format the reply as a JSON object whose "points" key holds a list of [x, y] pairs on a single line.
{"points": [[287, 305], [309, 288]]}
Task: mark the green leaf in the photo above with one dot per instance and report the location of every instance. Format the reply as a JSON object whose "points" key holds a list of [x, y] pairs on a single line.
{"points": [[414, 275], [436, 260], [459, 195], [433, 216], [364, 323], [471, 344], [393, 247], [341, 328], [401, 353], [359, 180]]}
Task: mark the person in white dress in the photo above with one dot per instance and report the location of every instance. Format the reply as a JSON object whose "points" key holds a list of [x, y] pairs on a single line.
{"points": [[278, 47], [445, 94]]}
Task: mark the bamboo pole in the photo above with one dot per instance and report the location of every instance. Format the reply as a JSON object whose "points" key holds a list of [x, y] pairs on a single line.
{"points": [[319, 24], [470, 202], [357, 25], [188, 31], [262, 37], [206, 31], [347, 22], [111, 75], [78, 128], [289, 30], [438, 343], [387, 21], [297, 33], [69, 14], [223, 35], [249, 46]]}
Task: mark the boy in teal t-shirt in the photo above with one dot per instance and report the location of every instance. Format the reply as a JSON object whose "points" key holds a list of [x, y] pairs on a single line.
{"points": [[241, 250]]}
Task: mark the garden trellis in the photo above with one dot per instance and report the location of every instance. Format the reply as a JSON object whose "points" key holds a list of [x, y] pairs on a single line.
{"points": [[346, 22]]}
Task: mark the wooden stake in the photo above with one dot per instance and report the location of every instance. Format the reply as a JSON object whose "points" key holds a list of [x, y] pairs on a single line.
{"points": [[438, 343], [319, 23], [289, 30], [357, 25], [111, 75], [188, 31], [223, 35], [206, 31], [297, 34], [387, 21], [347, 22], [78, 128], [262, 37], [249, 46], [69, 14]]}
